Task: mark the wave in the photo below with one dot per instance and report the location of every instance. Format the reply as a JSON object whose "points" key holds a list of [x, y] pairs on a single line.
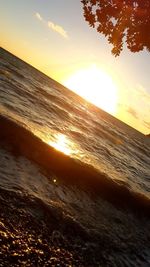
{"points": [[21, 141]]}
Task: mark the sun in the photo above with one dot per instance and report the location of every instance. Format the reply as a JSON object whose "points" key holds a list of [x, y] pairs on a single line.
{"points": [[96, 86]]}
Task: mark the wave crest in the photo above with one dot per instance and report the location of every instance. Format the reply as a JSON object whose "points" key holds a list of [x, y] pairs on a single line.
{"points": [[71, 171]]}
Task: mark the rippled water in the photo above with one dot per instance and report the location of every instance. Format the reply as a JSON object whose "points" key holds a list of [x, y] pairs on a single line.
{"points": [[72, 125], [38, 114]]}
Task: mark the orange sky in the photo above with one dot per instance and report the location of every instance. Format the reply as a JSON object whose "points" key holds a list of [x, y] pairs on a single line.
{"points": [[54, 38]]}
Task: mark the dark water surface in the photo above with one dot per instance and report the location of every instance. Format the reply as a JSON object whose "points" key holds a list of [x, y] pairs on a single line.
{"points": [[87, 205]]}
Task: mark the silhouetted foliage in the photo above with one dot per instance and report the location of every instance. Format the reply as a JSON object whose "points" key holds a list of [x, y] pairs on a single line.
{"points": [[120, 21]]}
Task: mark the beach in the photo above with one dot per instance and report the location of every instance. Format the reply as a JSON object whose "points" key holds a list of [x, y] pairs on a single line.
{"points": [[87, 204]]}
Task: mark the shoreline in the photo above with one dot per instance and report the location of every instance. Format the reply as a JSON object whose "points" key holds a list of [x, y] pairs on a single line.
{"points": [[22, 142], [79, 229]]}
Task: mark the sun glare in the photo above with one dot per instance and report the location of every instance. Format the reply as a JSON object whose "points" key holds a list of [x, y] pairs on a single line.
{"points": [[64, 144], [61, 144], [96, 86]]}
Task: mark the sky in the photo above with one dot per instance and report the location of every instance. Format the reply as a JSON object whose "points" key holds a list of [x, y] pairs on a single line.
{"points": [[53, 36]]}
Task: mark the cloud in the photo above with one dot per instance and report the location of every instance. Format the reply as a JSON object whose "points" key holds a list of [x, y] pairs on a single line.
{"points": [[136, 93], [58, 29], [51, 25], [134, 106], [142, 92], [147, 124], [38, 16], [132, 112]]}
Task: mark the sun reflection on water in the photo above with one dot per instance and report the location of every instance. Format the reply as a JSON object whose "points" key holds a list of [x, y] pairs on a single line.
{"points": [[62, 143]]}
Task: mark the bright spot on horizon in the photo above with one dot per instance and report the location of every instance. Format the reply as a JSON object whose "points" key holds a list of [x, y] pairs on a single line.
{"points": [[96, 86]]}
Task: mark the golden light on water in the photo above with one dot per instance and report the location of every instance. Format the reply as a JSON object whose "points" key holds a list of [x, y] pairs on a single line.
{"points": [[96, 86], [63, 144]]}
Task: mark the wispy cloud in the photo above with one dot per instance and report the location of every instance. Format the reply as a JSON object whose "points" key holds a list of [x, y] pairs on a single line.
{"points": [[132, 112], [38, 16], [51, 25], [57, 28], [142, 92], [147, 124]]}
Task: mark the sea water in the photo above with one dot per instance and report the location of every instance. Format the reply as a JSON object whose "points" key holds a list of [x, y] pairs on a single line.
{"points": [[97, 146]]}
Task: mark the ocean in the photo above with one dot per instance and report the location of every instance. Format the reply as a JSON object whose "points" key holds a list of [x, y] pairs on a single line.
{"points": [[74, 180]]}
